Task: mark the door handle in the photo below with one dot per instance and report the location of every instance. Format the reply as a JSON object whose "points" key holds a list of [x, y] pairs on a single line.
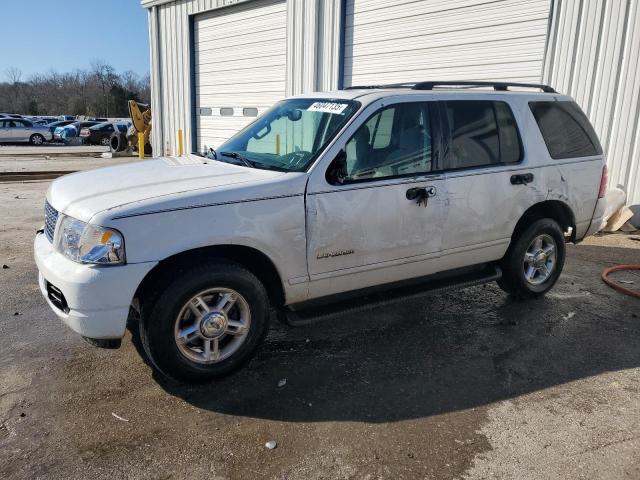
{"points": [[421, 194], [521, 179]]}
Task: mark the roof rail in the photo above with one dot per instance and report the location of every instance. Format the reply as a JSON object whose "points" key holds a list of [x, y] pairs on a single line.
{"points": [[429, 85], [388, 85], [500, 86]]}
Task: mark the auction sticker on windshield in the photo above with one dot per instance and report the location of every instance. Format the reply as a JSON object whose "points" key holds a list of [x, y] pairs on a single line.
{"points": [[328, 107]]}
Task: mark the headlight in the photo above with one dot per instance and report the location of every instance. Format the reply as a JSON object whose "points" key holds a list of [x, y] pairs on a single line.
{"points": [[86, 243]]}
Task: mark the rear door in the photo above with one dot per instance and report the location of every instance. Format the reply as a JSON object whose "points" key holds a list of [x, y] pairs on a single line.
{"points": [[383, 222], [484, 150]]}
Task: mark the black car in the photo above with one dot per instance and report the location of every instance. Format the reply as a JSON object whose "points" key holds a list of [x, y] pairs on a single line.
{"points": [[100, 134]]}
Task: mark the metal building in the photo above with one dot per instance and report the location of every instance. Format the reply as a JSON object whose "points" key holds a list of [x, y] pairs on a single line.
{"points": [[217, 63]]}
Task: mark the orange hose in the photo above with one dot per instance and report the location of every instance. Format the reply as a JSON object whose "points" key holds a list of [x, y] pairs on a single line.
{"points": [[617, 286]]}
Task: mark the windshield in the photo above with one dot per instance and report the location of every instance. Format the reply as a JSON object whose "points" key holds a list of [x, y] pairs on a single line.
{"points": [[290, 135]]}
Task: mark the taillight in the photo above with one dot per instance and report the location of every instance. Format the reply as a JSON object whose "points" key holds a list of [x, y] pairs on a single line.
{"points": [[603, 182]]}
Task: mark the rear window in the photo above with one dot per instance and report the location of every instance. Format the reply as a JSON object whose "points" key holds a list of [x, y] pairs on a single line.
{"points": [[565, 129], [482, 133]]}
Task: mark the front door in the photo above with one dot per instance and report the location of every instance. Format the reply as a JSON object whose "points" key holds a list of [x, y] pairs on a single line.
{"points": [[382, 221]]}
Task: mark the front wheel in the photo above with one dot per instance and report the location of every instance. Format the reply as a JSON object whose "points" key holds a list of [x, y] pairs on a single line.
{"points": [[104, 141], [534, 260], [36, 139], [206, 322]]}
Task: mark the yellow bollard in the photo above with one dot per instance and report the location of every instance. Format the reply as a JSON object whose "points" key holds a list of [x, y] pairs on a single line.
{"points": [[141, 146], [180, 151]]}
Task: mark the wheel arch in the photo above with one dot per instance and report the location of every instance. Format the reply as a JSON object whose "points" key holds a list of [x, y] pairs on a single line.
{"points": [[251, 258], [554, 209]]}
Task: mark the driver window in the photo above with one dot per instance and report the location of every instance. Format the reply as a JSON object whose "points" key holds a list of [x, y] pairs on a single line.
{"points": [[395, 141]]}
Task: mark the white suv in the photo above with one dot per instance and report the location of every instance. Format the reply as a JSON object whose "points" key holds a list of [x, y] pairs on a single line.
{"points": [[327, 201]]}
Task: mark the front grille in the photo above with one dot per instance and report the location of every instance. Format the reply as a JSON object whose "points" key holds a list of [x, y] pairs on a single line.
{"points": [[50, 219], [57, 298]]}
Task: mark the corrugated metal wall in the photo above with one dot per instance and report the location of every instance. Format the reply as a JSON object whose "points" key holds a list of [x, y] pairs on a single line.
{"points": [[237, 77], [593, 55], [313, 40], [406, 41]]}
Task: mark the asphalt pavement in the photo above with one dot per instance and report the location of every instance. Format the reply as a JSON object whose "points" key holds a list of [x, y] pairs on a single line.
{"points": [[467, 384]]}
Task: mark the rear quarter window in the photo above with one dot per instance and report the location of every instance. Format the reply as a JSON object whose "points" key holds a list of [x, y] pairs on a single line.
{"points": [[566, 130]]}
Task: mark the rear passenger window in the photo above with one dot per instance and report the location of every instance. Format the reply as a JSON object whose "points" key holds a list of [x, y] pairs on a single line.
{"points": [[482, 133], [565, 129]]}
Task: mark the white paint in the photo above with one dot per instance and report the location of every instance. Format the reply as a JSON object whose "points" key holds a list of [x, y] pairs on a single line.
{"points": [[171, 205]]}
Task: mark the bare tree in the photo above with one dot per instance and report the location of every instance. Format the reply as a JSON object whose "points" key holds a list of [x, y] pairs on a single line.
{"points": [[98, 92], [13, 74]]}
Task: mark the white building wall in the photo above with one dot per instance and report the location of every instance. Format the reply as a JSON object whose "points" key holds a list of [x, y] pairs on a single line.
{"points": [[593, 55], [405, 40]]}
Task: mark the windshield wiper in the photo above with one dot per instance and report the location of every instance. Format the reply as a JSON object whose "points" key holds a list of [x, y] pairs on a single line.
{"points": [[244, 160]]}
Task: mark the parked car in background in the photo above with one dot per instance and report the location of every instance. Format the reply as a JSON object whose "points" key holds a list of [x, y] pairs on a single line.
{"points": [[100, 134], [67, 133], [59, 123], [49, 119], [21, 130], [65, 117], [10, 115]]}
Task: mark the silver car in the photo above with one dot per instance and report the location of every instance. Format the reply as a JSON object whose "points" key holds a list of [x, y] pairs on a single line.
{"points": [[21, 130]]}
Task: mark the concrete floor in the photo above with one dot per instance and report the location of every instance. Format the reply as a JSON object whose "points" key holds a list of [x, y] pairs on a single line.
{"points": [[466, 384]]}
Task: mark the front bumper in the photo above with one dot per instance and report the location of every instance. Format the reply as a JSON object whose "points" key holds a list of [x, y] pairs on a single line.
{"points": [[97, 297]]}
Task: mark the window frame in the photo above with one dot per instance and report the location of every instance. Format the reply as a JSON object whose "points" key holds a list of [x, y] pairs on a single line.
{"points": [[436, 143], [446, 136], [599, 151]]}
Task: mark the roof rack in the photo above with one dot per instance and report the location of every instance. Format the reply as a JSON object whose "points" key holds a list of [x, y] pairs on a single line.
{"points": [[429, 85]]}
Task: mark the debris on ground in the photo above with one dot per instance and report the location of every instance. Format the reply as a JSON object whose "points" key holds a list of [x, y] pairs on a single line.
{"points": [[271, 444], [282, 382], [568, 316], [635, 237], [119, 417], [618, 219], [5, 266], [628, 282]]}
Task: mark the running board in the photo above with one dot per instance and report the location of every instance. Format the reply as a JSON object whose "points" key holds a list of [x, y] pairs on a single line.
{"points": [[307, 316]]}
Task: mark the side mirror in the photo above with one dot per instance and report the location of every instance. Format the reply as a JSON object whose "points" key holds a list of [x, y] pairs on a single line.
{"points": [[337, 171]]}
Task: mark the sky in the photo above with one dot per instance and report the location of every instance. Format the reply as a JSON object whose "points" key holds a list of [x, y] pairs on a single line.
{"points": [[65, 35]]}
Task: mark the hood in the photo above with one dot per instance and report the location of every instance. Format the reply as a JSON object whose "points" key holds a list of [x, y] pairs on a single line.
{"points": [[84, 194]]}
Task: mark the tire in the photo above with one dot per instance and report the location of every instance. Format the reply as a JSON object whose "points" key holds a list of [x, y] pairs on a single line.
{"points": [[36, 139], [234, 335], [118, 142], [534, 260], [104, 141]]}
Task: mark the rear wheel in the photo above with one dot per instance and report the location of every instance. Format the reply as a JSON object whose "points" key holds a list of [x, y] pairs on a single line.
{"points": [[36, 139], [207, 322], [534, 260]]}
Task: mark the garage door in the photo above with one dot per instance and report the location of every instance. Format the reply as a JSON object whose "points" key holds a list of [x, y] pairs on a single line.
{"points": [[405, 41], [240, 60]]}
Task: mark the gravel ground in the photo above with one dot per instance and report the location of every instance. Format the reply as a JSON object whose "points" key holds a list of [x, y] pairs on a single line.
{"points": [[40, 163], [461, 385]]}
